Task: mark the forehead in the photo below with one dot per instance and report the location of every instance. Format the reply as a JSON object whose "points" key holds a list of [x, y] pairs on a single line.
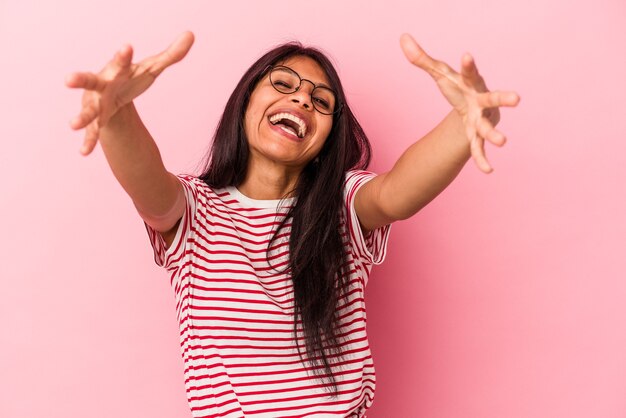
{"points": [[307, 68]]}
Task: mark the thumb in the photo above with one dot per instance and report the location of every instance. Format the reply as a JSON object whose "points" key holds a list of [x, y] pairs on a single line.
{"points": [[174, 53], [414, 53]]}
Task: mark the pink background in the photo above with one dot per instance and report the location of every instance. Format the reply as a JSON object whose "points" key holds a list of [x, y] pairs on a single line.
{"points": [[503, 298]]}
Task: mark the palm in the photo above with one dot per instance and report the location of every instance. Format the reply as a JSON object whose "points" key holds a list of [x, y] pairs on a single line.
{"points": [[467, 93], [118, 84]]}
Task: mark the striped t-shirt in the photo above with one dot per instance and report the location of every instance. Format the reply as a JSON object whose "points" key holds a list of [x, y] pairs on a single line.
{"points": [[235, 311]]}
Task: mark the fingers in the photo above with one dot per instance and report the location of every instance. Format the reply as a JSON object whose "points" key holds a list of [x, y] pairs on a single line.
{"points": [[95, 82], [418, 57], [498, 99], [468, 94], [174, 53], [477, 143], [477, 148], [87, 81], [413, 52], [122, 59], [477, 132], [485, 130], [87, 115], [468, 67], [179, 48], [470, 74], [91, 139]]}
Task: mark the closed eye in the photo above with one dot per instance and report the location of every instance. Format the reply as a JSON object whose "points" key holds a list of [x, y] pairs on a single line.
{"points": [[323, 103], [283, 84]]}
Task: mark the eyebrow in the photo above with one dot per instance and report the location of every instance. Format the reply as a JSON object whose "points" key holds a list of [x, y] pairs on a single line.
{"points": [[323, 85]]}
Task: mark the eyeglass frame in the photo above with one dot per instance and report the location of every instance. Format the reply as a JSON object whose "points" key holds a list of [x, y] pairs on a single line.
{"points": [[338, 104]]}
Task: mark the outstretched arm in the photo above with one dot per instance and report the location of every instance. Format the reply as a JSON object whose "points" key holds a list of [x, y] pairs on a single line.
{"points": [[109, 116], [428, 166]]}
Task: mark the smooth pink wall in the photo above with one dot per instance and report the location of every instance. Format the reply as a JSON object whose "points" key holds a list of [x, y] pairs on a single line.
{"points": [[503, 298]]}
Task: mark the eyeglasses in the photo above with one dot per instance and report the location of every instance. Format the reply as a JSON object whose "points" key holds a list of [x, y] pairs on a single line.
{"points": [[287, 81]]}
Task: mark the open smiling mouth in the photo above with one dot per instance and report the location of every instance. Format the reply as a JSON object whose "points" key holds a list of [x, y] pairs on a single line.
{"points": [[289, 123]]}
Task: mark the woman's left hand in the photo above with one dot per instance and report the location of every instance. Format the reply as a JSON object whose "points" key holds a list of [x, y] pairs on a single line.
{"points": [[467, 93]]}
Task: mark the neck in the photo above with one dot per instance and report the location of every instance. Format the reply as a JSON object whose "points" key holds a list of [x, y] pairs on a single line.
{"points": [[269, 181]]}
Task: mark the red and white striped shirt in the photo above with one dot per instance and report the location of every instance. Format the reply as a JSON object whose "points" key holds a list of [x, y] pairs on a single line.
{"points": [[235, 310]]}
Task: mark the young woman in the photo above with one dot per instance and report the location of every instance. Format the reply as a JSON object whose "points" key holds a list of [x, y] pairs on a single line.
{"points": [[270, 248]]}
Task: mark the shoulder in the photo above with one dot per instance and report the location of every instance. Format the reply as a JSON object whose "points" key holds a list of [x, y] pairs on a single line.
{"points": [[193, 181], [354, 179], [197, 189]]}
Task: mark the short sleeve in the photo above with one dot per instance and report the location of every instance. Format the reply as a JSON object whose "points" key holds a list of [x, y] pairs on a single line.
{"points": [[170, 257], [371, 246]]}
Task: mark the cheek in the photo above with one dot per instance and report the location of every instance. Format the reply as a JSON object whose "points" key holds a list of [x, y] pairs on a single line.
{"points": [[251, 120], [325, 129], [247, 123], [253, 107], [324, 132]]}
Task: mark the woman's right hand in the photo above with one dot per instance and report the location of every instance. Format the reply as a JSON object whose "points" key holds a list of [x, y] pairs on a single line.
{"points": [[118, 84]]}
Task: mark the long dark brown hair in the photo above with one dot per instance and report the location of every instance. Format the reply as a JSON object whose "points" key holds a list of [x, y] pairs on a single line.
{"points": [[317, 257]]}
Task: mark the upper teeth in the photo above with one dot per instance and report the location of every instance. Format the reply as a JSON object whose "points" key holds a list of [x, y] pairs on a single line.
{"points": [[301, 125]]}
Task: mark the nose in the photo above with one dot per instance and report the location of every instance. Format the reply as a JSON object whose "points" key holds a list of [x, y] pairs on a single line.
{"points": [[303, 95]]}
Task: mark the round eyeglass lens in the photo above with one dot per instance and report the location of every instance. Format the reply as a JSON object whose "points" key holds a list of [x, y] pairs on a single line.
{"points": [[323, 100], [287, 81], [284, 80]]}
